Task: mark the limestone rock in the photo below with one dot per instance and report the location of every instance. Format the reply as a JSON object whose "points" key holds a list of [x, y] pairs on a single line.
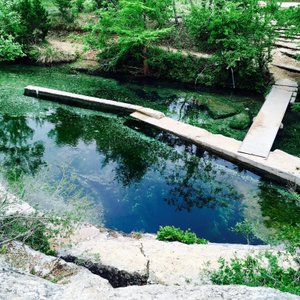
{"points": [[214, 292], [125, 261], [18, 285], [115, 257], [80, 284]]}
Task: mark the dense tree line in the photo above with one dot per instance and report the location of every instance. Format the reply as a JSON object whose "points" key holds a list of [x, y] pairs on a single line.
{"points": [[22, 23], [238, 34]]}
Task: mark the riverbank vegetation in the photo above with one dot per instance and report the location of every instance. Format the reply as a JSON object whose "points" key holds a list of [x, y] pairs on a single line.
{"points": [[216, 44], [231, 41]]}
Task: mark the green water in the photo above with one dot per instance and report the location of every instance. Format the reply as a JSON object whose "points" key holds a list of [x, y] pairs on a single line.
{"points": [[122, 175]]}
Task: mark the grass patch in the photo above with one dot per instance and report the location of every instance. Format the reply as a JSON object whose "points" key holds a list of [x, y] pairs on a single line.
{"points": [[262, 270], [172, 234]]}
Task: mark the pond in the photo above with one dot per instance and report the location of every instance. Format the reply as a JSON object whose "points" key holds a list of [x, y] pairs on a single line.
{"points": [[116, 173]]}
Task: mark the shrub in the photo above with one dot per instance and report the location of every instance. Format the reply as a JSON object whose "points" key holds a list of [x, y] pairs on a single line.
{"points": [[47, 55], [289, 19], [261, 270], [244, 228], [9, 48], [172, 234], [34, 21], [240, 33], [131, 27], [65, 9], [34, 228]]}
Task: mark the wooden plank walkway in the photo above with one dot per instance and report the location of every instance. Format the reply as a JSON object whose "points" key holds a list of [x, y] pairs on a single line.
{"points": [[263, 131]]}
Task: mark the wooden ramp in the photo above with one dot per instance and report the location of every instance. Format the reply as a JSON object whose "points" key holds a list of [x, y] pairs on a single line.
{"points": [[262, 133]]}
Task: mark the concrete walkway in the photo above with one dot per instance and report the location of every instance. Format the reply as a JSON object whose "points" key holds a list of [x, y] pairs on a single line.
{"points": [[262, 133], [279, 165]]}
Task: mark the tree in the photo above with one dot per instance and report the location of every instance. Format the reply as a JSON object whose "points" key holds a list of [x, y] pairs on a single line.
{"points": [[21, 23], [9, 48], [240, 33], [132, 26]]}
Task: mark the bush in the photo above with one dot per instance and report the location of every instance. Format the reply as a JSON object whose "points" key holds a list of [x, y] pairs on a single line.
{"points": [[262, 270], [47, 55], [289, 19], [22, 23], [65, 8], [9, 48], [34, 21], [172, 234], [32, 228], [28, 229], [240, 33], [131, 27]]}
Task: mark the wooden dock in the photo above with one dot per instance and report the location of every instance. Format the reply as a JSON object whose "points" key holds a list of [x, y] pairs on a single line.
{"points": [[279, 165], [263, 131]]}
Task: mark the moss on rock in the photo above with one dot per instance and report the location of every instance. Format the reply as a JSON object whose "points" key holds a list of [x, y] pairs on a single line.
{"points": [[240, 121], [221, 109]]}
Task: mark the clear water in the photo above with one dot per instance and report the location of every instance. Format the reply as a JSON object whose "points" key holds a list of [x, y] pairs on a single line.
{"points": [[123, 176]]}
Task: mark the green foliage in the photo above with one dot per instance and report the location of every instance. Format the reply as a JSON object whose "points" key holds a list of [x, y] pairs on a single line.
{"points": [[47, 55], [281, 216], [32, 228], [3, 249], [9, 48], [290, 235], [177, 67], [34, 21], [262, 270], [244, 228], [296, 106], [171, 234], [130, 28], [239, 33], [289, 19], [29, 230], [22, 23], [65, 8]]}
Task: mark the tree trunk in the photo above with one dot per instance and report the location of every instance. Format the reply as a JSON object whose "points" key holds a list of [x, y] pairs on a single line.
{"points": [[175, 12], [145, 62]]}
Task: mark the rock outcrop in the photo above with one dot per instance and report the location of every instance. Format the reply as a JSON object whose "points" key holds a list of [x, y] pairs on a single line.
{"points": [[109, 265], [125, 260], [19, 285]]}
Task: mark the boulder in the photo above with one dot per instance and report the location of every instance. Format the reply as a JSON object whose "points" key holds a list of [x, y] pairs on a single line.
{"points": [[240, 121], [221, 109], [124, 260], [19, 285]]}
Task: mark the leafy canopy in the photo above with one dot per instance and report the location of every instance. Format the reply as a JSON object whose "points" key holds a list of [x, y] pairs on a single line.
{"points": [[130, 25], [240, 33]]}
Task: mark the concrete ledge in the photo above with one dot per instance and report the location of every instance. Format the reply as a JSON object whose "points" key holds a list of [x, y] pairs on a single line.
{"points": [[88, 102], [279, 165]]}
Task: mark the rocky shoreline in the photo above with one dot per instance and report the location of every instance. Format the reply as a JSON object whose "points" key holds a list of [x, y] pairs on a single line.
{"points": [[96, 263]]}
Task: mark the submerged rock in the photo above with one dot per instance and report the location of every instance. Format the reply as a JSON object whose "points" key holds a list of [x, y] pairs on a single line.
{"points": [[221, 109], [240, 121]]}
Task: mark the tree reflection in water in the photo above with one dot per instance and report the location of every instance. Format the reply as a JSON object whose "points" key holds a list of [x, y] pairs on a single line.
{"points": [[20, 154], [193, 181]]}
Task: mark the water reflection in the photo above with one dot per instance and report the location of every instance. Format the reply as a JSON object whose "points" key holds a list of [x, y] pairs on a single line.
{"points": [[20, 154], [137, 182], [131, 154], [134, 174]]}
